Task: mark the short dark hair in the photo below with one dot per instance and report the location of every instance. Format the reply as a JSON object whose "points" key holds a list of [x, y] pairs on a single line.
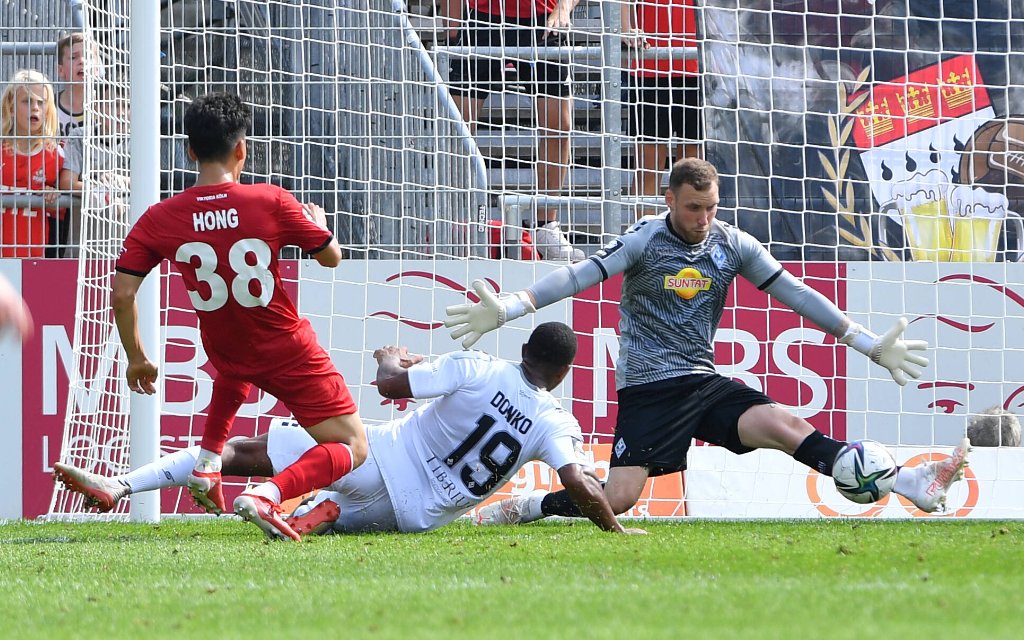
{"points": [[699, 174], [552, 344], [214, 123], [66, 42]]}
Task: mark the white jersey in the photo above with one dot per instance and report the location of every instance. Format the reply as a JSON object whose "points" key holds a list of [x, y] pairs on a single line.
{"points": [[486, 423], [449, 455]]}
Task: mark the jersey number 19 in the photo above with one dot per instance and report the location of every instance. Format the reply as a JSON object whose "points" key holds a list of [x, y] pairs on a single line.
{"points": [[497, 468]]}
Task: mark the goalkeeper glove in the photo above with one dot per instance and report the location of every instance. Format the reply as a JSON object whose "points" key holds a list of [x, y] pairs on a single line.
{"points": [[889, 350], [474, 320]]}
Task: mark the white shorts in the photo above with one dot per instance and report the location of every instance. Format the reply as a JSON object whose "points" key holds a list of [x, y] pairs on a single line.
{"points": [[362, 494]]}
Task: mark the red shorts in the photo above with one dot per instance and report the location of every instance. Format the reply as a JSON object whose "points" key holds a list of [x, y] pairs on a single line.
{"points": [[313, 390]]}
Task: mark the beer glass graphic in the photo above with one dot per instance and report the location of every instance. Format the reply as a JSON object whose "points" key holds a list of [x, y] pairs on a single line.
{"points": [[978, 216], [920, 203]]}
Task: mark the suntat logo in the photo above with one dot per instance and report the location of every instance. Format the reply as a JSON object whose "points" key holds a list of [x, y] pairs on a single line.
{"points": [[687, 283]]}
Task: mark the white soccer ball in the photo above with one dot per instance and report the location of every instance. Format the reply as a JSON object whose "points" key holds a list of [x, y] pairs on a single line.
{"points": [[864, 471]]}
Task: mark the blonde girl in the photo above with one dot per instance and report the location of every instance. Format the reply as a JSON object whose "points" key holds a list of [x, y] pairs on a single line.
{"points": [[30, 160]]}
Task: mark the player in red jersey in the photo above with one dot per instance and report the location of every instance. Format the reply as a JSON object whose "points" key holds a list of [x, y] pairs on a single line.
{"points": [[224, 237]]}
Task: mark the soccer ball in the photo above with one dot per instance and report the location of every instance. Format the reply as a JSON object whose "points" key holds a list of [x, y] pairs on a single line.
{"points": [[864, 471]]}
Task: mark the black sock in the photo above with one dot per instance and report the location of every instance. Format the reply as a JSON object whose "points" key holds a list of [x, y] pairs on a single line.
{"points": [[559, 503], [818, 452]]}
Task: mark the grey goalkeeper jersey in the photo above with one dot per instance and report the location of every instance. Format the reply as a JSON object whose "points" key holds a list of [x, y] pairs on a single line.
{"points": [[673, 294]]}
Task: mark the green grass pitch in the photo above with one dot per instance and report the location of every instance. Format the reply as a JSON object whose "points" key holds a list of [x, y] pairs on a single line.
{"points": [[694, 579]]}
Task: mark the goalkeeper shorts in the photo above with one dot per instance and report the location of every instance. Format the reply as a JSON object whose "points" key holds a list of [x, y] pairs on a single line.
{"points": [[658, 420]]}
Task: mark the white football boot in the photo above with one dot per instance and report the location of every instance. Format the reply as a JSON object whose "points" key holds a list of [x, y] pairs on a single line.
{"points": [[554, 245], [926, 485], [99, 492], [515, 510], [266, 515]]}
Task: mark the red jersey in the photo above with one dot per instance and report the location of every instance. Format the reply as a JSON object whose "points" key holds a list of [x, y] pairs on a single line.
{"points": [[224, 239], [514, 8], [667, 23], [21, 227]]}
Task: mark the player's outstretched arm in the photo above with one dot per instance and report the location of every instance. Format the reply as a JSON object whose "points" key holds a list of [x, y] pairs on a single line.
{"points": [[889, 350], [472, 321], [587, 493], [141, 373]]}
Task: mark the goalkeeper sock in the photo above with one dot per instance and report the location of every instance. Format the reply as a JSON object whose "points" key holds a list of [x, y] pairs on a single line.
{"points": [[818, 452], [318, 468], [559, 503], [169, 471], [228, 395]]}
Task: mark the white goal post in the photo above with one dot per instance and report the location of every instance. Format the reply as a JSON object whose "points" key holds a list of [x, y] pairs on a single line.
{"points": [[875, 153]]}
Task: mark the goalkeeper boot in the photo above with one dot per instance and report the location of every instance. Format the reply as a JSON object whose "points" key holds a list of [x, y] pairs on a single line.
{"points": [[266, 515], [926, 485], [204, 483], [99, 492], [314, 517], [514, 510]]}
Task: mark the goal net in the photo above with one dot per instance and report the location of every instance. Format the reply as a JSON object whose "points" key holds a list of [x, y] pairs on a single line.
{"points": [[871, 146]]}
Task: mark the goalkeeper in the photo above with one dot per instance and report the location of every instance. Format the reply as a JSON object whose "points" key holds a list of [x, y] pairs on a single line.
{"points": [[677, 270]]}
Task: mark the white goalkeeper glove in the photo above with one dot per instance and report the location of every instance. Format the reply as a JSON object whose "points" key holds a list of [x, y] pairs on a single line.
{"points": [[474, 320], [889, 350]]}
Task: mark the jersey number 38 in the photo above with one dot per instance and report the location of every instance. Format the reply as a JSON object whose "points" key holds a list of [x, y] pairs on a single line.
{"points": [[245, 273]]}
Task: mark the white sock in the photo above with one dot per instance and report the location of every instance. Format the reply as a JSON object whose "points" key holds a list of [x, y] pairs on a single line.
{"points": [[533, 503], [268, 490], [208, 460], [169, 471]]}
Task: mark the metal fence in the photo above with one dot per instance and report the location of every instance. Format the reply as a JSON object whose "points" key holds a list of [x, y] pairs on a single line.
{"points": [[349, 112]]}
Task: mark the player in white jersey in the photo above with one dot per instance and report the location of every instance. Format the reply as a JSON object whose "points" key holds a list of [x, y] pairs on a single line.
{"points": [[489, 418], [677, 268]]}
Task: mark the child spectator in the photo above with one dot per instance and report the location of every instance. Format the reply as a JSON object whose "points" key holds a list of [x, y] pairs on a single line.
{"points": [[110, 142], [666, 94], [72, 59], [71, 83], [30, 160]]}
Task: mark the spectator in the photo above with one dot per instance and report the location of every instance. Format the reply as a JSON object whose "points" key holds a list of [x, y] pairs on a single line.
{"points": [[72, 59], [665, 94], [994, 427], [520, 23], [30, 160], [110, 142], [71, 62]]}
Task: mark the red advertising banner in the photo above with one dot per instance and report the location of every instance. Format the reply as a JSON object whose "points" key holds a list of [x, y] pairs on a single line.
{"points": [[49, 288], [759, 342]]}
